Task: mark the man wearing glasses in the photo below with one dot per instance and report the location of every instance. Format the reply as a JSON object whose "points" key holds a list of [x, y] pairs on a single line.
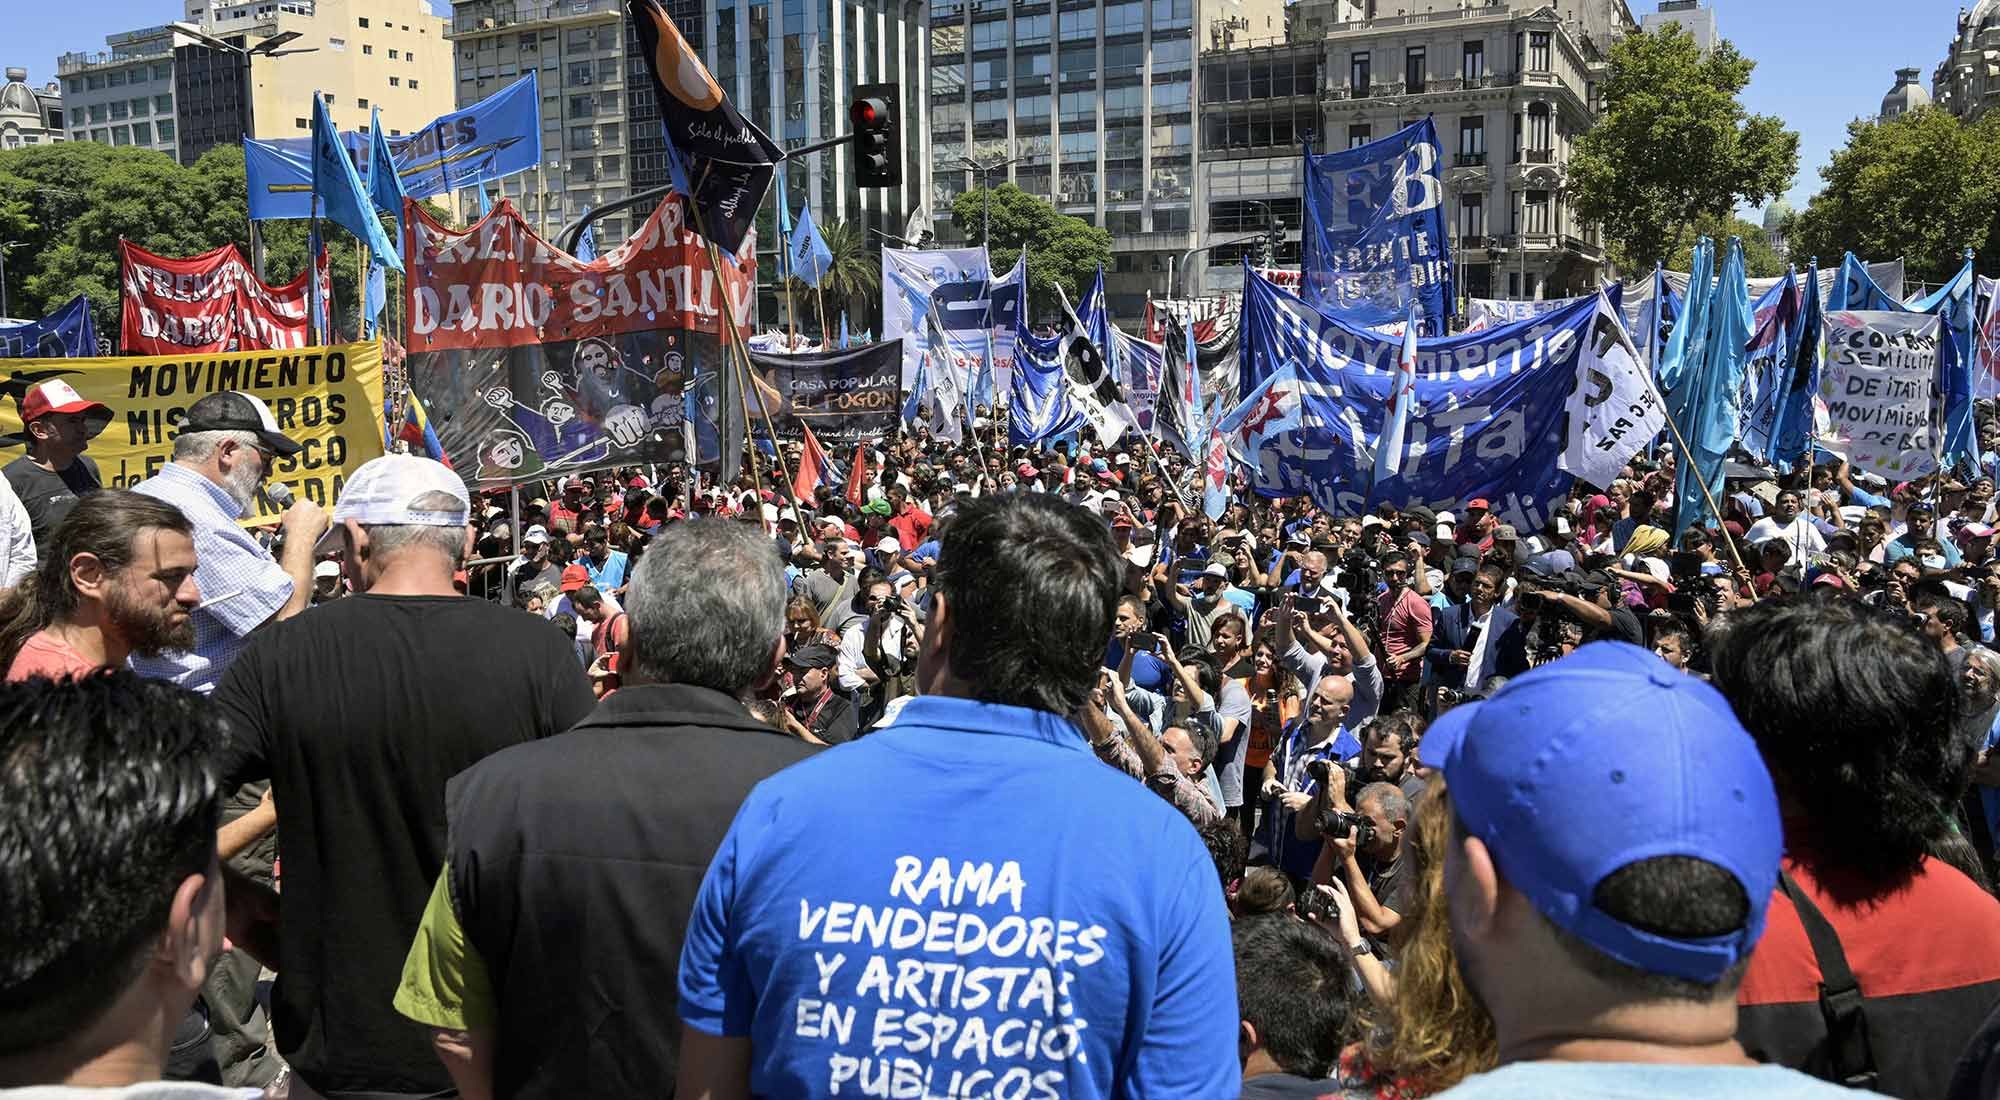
{"points": [[1404, 619], [227, 447]]}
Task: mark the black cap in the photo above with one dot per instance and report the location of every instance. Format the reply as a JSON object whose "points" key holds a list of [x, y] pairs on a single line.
{"points": [[1419, 512], [231, 411], [812, 655], [1464, 565]]}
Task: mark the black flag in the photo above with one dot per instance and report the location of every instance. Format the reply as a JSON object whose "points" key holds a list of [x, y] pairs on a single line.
{"points": [[721, 161]]}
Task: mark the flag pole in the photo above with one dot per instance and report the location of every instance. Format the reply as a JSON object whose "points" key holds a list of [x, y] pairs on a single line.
{"points": [[824, 339], [1687, 455], [745, 375]]}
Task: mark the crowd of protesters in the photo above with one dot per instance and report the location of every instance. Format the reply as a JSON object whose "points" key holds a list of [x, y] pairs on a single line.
{"points": [[633, 785]]}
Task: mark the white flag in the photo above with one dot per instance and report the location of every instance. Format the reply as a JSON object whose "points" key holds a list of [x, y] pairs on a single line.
{"points": [[1614, 411]]}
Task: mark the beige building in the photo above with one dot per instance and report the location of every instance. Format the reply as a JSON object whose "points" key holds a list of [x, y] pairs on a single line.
{"points": [[1511, 85], [1967, 81], [29, 116], [123, 94], [357, 54]]}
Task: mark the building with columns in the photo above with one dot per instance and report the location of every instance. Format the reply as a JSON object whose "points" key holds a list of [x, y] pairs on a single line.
{"points": [[28, 115], [1967, 81]]}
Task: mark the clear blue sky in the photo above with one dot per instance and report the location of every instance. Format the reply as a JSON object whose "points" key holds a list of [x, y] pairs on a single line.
{"points": [[1820, 63]]}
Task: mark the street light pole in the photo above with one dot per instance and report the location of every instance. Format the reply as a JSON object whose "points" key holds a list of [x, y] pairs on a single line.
{"points": [[269, 48], [986, 188]]}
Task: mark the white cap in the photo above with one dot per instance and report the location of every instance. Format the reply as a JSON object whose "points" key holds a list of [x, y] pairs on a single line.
{"points": [[537, 533], [889, 546], [770, 513], [1446, 517], [326, 569], [1216, 569], [1141, 554], [381, 491]]}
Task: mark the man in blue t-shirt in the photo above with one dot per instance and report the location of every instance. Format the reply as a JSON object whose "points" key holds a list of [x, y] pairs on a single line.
{"points": [[918, 912]]}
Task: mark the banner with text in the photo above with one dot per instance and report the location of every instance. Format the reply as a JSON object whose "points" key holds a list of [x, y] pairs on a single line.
{"points": [[329, 399], [1879, 383], [208, 303], [68, 333], [845, 397], [951, 282], [533, 362], [1374, 231]]}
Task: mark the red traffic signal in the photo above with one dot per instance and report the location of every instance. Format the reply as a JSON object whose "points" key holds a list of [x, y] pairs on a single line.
{"points": [[866, 112], [873, 115]]}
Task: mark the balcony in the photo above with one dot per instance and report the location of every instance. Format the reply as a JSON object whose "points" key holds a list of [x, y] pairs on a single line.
{"points": [[1469, 160], [79, 61], [472, 19], [1539, 156]]}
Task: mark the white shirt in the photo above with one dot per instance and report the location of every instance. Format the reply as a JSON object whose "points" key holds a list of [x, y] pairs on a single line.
{"points": [[17, 538], [853, 655], [1800, 535]]}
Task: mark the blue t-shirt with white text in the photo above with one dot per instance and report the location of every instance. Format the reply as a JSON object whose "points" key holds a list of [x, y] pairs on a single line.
{"points": [[965, 903]]}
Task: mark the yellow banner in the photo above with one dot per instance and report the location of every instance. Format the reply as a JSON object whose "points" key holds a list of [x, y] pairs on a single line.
{"points": [[328, 399]]}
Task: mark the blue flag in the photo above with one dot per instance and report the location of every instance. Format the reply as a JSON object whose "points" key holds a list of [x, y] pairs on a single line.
{"points": [[374, 293], [810, 257], [385, 187], [317, 292], [337, 189], [68, 333], [843, 332], [1374, 235], [784, 205], [498, 136], [586, 245], [1795, 408], [1711, 391]]}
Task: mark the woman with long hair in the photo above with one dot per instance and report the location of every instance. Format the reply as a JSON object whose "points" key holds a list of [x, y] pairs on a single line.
{"points": [[1429, 1033], [802, 626], [1275, 700]]}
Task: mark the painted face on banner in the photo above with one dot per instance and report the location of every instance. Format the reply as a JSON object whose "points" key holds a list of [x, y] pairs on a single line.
{"points": [[504, 450], [558, 413]]}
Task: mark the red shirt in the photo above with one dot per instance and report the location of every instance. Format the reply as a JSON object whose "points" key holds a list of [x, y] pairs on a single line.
{"points": [[911, 527], [44, 654], [1405, 619]]}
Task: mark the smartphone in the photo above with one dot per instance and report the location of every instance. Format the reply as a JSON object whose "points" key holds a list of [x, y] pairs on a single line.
{"points": [[1308, 603]]}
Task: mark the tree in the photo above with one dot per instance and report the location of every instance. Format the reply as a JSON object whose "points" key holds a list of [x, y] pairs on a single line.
{"points": [[1760, 260], [1923, 186], [851, 280], [1062, 250], [1674, 145]]}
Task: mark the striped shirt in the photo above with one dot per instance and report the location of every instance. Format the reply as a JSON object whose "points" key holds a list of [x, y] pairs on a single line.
{"points": [[242, 581]]}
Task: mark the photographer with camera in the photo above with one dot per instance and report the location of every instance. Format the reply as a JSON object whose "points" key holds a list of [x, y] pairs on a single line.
{"points": [[1308, 751], [1362, 847], [878, 651], [1592, 599]]}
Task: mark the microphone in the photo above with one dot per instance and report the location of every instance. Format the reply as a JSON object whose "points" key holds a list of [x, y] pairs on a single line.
{"points": [[280, 496]]}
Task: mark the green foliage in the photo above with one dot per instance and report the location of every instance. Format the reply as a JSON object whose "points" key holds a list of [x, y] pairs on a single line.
{"points": [[1674, 145], [1062, 250], [1923, 186], [1760, 260], [64, 207], [849, 286]]}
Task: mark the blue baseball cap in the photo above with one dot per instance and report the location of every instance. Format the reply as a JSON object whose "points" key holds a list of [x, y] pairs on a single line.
{"points": [[1661, 764]]}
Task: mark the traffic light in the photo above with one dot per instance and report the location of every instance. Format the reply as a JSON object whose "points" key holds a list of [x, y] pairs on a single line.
{"points": [[877, 162], [1274, 242]]}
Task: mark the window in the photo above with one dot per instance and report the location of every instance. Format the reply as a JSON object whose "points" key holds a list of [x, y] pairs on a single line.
{"points": [[301, 124], [94, 83], [1472, 140], [97, 112], [361, 103], [394, 82], [1079, 62], [1538, 51], [413, 82], [1540, 137], [100, 135], [580, 72], [75, 88], [337, 43], [1471, 217], [1171, 96], [163, 104], [1475, 61], [166, 129], [120, 109], [328, 96], [1357, 74], [1359, 134], [142, 133], [363, 22], [1126, 18], [1172, 14], [116, 78], [1413, 69], [1029, 65], [121, 135], [392, 55], [580, 137], [1031, 30], [1170, 221], [141, 107], [990, 35], [609, 132], [367, 49], [162, 71]]}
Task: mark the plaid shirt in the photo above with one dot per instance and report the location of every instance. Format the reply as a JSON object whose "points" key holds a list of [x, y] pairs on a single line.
{"points": [[228, 560]]}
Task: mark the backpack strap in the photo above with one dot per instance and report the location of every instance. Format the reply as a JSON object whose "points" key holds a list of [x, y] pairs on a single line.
{"points": [[1850, 1057]]}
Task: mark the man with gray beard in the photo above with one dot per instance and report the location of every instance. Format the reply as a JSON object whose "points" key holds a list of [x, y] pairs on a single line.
{"points": [[227, 446]]}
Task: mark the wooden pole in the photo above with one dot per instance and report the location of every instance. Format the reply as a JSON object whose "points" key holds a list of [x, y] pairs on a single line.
{"points": [[1687, 456], [825, 337]]}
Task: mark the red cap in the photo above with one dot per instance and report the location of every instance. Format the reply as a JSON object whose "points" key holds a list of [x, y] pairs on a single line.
{"points": [[58, 396], [1121, 520], [574, 577], [1479, 503]]}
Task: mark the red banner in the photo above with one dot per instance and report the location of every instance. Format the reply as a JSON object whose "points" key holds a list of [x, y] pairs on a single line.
{"points": [[210, 302], [496, 284]]}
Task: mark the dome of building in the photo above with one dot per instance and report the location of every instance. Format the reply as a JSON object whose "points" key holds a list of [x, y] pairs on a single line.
{"points": [[1984, 12], [1908, 95], [16, 97], [1775, 215]]}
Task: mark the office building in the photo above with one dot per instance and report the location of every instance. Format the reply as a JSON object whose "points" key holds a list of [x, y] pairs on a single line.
{"points": [[1689, 15], [1087, 105], [123, 94], [357, 54], [1967, 81], [29, 116], [1511, 85]]}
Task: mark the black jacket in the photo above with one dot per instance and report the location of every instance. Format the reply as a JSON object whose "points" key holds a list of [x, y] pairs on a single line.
{"points": [[574, 866]]}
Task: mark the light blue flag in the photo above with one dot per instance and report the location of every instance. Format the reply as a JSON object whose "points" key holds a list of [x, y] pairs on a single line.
{"points": [[784, 204], [485, 202], [843, 332], [337, 189], [1712, 393], [316, 292], [586, 245], [374, 293], [810, 257], [1795, 407], [385, 187], [1402, 391]]}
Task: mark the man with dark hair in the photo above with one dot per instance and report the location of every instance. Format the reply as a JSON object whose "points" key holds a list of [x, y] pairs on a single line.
{"points": [[57, 424], [813, 711], [1941, 619], [358, 714], [1609, 953], [1291, 998], [1855, 714], [111, 896], [1403, 620], [116, 578], [574, 861], [965, 818]]}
